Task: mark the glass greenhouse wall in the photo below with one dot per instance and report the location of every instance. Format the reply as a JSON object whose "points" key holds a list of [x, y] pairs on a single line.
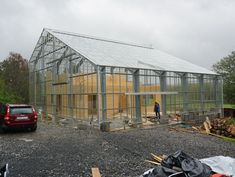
{"points": [[65, 83]]}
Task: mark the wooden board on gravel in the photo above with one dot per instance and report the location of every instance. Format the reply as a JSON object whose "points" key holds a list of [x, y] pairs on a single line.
{"points": [[95, 172]]}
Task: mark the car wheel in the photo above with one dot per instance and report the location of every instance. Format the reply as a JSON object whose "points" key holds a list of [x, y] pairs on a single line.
{"points": [[33, 129], [3, 130]]}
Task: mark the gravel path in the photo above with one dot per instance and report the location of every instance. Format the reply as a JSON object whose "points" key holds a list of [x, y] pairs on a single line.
{"points": [[59, 151]]}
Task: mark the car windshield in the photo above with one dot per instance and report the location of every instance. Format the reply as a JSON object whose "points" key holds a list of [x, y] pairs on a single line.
{"points": [[21, 110]]}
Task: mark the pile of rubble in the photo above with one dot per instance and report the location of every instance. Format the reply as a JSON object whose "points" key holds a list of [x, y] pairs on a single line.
{"points": [[223, 127]]}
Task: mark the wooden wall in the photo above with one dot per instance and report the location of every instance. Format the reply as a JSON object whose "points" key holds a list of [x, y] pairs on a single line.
{"points": [[84, 97]]}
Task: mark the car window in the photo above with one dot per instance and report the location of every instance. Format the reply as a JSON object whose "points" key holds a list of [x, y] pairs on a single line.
{"points": [[21, 110]]}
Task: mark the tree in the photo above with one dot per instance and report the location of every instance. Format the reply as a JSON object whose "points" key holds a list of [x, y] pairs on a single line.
{"points": [[226, 68], [14, 74], [5, 95]]}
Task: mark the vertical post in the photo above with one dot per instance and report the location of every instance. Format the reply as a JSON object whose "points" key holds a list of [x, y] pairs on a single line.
{"points": [[103, 93], [54, 72], [127, 97], [163, 89], [218, 96], [222, 97], [184, 81], [136, 84], [43, 83], [216, 90], [35, 83], [98, 92], [71, 106], [35, 75], [202, 92]]}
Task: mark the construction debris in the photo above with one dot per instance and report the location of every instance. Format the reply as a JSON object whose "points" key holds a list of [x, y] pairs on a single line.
{"points": [[207, 125], [178, 164], [223, 127], [95, 172], [174, 118]]}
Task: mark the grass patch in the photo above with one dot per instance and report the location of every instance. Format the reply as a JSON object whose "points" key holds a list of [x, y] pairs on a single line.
{"points": [[231, 140], [231, 106], [231, 121]]}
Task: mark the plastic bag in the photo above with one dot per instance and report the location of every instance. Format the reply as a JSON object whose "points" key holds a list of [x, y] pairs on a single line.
{"points": [[188, 166]]}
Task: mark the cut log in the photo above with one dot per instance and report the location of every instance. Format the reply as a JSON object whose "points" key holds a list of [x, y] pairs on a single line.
{"points": [[206, 127], [231, 130], [208, 122]]}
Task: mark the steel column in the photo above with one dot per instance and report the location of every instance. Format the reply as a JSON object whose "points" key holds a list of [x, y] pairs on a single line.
{"points": [[54, 72], [184, 81], [163, 89], [222, 97], [136, 85], [43, 83], [103, 93], [98, 92], [70, 85], [202, 92], [216, 90]]}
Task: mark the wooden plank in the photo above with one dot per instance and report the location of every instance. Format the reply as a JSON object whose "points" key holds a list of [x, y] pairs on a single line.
{"points": [[95, 172], [153, 162]]}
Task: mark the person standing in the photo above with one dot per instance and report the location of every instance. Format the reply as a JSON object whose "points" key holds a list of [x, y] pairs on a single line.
{"points": [[157, 110]]}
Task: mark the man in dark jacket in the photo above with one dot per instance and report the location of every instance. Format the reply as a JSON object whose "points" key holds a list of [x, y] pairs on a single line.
{"points": [[157, 110]]}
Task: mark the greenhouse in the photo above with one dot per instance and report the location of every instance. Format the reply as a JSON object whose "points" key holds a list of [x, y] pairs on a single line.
{"points": [[94, 80]]}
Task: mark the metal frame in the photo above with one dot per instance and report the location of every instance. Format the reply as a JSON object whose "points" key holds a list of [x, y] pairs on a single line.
{"points": [[180, 92]]}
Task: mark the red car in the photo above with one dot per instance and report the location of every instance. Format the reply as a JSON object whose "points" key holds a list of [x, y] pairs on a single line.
{"points": [[17, 116]]}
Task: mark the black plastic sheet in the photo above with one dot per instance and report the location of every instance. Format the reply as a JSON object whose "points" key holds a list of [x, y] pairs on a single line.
{"points": [[189, 166]]}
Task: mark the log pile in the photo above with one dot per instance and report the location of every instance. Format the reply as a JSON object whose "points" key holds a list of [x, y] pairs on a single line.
{"points": [[222, 127]]}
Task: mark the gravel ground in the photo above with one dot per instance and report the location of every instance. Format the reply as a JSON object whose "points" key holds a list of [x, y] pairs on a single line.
{"points": [[59, 151]]}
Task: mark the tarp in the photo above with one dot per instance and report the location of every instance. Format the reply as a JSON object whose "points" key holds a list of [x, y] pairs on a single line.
{"points": [[221, 164]]}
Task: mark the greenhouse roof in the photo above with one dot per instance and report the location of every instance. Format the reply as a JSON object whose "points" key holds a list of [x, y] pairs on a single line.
{"points": [[104, 52]]}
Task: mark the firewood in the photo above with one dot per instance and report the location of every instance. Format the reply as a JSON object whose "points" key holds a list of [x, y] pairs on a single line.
{"points": [[206, 126]]}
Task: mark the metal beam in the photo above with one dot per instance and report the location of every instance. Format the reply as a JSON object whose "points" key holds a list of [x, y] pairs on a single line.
{"points": [[39, 53], [70, 87], [80, 63], [53, 95], [35, 74], [45, 41], [216, 89], [136, 86], [151, 93], [48, 53], [163, 89], [103, 93], [202, 91], [184, 82], [98, 92], [222, 97], [63, 56], [218, 94], [158, 72]]}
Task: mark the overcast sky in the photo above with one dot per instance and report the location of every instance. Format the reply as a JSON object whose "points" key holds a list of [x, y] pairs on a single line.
{"points": [[199, 31]]}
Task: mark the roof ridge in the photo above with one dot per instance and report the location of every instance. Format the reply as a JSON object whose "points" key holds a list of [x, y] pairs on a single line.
{"points": [[96, 38]]}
